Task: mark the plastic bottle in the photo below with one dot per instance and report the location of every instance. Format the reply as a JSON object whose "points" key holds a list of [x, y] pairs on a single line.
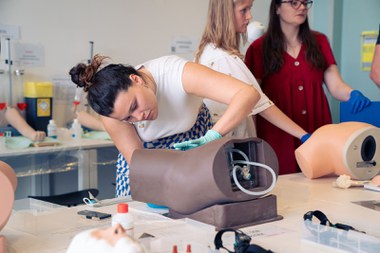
{"points": [[188, 248], [124, 218], [76, 130], [18, 92], [52, 129]]}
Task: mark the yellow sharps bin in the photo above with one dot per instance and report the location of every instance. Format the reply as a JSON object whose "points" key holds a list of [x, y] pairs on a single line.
{"points": [[39, 99]]}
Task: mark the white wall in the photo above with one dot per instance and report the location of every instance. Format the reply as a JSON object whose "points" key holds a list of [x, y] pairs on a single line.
{"points": [[344, 25], [129, 31], [260, 11]]}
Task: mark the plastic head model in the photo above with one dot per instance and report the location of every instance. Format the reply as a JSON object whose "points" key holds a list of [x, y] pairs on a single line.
{"points": [[111, 240], [223, 171], [8, 184], [348, 148]]}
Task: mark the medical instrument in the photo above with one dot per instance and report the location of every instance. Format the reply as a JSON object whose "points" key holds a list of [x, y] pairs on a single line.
{"points": [[91, 200], [241, 244], [326, 222], [94, 215], [3, 100], [78, 90], [348, 148], [341, 236], [247, 176], [18, 92], [9, 62], [345, 182], [77, 97], [232, 175], [94, 202]]}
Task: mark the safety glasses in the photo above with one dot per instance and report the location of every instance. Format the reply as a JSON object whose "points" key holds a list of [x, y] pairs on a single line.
{"points": [[296, 4]]}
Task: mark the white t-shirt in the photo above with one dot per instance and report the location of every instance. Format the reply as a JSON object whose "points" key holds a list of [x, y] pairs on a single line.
{"points": [[177, 110], [219, 60]]}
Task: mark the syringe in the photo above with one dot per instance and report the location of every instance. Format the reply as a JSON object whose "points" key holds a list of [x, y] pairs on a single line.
{"points": [[77, 98]]}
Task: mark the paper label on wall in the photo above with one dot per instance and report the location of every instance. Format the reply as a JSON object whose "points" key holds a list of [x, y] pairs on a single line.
{"points": [[29, 55], [183, 45], [368, 48], [10, 32]]}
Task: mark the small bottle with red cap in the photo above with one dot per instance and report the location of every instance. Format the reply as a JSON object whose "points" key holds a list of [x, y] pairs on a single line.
{"points": [[124, 218]]}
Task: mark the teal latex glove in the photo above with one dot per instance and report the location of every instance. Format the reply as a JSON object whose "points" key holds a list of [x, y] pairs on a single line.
{"points": [[358, 101], [211, 135]]}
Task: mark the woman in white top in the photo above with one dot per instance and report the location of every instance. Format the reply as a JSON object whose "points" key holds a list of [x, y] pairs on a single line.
{"points": [[226, 28], [159, 104]]}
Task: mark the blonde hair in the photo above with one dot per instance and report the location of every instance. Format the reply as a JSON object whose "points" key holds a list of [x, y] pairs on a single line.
{"points": [[220, 28]]}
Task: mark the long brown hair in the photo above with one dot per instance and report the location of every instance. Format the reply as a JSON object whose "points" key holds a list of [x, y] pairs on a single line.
{"points": [[274, 43], [220, 28]]}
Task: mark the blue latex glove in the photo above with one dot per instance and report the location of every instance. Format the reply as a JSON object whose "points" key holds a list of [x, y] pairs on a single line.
{"points": [[211, 135], [358, 101], [305, 137], [151, 205]]}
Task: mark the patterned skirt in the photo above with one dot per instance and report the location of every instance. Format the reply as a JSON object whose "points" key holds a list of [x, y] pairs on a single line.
{"points": [[202, 124]]}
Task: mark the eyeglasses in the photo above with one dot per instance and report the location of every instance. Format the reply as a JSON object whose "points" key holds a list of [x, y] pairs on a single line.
{"points": [[296, 4]]}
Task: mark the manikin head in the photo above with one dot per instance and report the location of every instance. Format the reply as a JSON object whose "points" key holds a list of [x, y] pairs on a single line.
{"points": [[8, 184], [110, 240], [348, 148]]}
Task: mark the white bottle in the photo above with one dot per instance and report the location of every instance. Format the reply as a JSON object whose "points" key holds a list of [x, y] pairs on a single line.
{"points": [[124, 218], [76, 130], [52, 129]]}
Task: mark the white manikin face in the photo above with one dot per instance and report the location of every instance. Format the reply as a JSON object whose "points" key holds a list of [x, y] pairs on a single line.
{"points": [[111, 240]]}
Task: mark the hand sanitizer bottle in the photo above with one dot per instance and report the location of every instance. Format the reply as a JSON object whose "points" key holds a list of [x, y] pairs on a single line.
{"points": [[52, 129], [76, 130]]}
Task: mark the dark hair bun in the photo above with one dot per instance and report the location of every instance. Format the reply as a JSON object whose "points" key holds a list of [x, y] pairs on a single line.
{"points": [[77, 73], [82, 74]]}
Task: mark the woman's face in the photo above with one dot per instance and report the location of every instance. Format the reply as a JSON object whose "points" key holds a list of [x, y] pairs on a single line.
{"points": [[139, 103], [242, 13], [291, 16]]}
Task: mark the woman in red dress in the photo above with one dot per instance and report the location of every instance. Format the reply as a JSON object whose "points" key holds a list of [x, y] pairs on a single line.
{"points": [[291, 63]]}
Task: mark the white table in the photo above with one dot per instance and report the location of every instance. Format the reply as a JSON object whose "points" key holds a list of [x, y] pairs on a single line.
{"points": [[28, 162], [295, 194]]}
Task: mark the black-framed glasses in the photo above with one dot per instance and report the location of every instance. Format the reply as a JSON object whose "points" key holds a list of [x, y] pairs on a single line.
{"points": [[296, 4]]}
